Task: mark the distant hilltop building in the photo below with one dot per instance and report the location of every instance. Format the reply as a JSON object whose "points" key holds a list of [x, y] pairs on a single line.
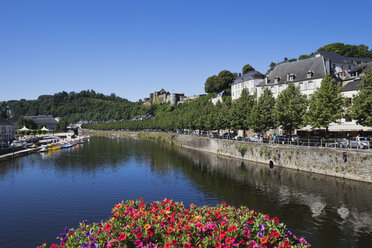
{"points": [[163, 96], [46, 120]]}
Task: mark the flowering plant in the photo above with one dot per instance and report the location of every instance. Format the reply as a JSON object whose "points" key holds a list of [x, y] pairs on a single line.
{"points": [[168, 224]]}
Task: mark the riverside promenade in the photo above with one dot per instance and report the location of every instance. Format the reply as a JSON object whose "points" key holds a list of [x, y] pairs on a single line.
{"points": [[12, 155]]}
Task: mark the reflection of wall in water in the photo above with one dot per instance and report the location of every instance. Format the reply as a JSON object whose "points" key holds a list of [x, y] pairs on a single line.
{"points": [[314, 190]]}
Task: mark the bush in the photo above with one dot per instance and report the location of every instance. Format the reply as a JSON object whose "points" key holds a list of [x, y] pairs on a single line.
{"points": [[169, 224]]}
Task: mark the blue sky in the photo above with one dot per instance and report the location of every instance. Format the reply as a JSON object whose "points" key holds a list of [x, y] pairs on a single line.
{"points": [[132, 48]]}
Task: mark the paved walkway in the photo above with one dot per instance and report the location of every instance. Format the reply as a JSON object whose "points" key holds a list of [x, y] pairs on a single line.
{"points": [[18, 153]]}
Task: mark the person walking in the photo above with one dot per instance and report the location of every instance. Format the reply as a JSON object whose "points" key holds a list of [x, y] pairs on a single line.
{"points": [[358, 141], [348, 140]]}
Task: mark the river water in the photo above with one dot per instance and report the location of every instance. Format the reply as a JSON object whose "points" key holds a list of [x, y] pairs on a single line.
{"points": [[41, 194]]}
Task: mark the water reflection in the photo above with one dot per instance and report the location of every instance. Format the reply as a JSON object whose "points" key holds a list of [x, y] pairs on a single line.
{"points": [[88, 179], [322, 208]]}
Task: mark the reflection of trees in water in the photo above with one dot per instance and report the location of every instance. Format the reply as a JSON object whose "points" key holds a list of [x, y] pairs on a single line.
{"points": [[327, 208], [310, 202]]}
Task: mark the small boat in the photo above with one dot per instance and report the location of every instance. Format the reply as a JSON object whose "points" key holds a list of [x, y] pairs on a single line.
{"points": [[68, 145], [54, 147], [43, 148]]}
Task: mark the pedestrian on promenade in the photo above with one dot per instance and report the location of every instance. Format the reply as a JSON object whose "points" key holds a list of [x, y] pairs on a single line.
{"points": [[358, 141], [348, 140]]}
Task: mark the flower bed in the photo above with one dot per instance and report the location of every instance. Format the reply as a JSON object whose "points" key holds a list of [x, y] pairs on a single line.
{"points": [[169, 224]]}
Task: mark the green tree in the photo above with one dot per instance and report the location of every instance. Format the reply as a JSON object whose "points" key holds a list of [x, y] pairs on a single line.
{"points": [[62, 125], [241, 111], [326, 104], [212, 85], [290, 108], [262, 114], [362, 103], [247, 68], [358, 51], [30, 124]]}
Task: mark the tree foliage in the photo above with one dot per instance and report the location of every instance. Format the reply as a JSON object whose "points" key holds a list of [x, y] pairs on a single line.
{"points": [[215, 84], [262, 118], [362, 103], [357, 51], [241, 111], [325, 105], [86, 105], [290, 108], [247, 68], [30, 124]]}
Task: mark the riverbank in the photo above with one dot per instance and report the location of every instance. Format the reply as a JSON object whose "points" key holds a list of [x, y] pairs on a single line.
{"points": [[16, 154], [343, 163]]}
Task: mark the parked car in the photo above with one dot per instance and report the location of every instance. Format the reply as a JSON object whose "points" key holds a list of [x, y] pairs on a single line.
{"points": [[252, 139], [225, 136], [237, 137], [365, 142]]}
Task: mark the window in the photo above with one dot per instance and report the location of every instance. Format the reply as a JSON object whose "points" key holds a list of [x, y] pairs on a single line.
{"points": [[291, 77], [347, 118], [303, 86], [309, 74], [310, 85], [277, 79]]}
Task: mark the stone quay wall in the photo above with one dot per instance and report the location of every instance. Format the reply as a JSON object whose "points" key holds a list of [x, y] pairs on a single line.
{"points": [[345, 163]]}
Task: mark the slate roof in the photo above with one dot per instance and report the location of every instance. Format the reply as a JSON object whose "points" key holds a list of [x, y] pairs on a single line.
{"points": [[363, 67], [5, 122], [299, 69], [249, 76], [354, 85], [337, 58], [42, 119]]}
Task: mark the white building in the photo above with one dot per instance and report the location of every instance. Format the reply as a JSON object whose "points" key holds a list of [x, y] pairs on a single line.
{"points": [[248, 81], [6, 131], [308, 74], [218, 97]]}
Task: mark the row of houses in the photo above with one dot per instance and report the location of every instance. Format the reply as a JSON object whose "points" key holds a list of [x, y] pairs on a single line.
{"points": [[308, 75]]}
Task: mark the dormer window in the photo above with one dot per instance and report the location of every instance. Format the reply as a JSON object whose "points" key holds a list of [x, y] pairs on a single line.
{"points": [[309, 74], [291, 77], [277, 79]]}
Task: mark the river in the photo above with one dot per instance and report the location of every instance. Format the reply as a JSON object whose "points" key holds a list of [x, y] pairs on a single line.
{"points": [[41, 194]]}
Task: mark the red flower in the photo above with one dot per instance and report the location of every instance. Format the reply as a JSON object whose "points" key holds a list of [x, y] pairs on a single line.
{"points": [[53, 246], [227, 240], [218, 245], [174, 242], [139, 235], [275, 234], [276, 220], [107, 227], [122, 236], [150, 232], [167, 245]]}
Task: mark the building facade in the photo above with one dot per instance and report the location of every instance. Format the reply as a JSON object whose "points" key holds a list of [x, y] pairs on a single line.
{"points": [[7, 129], [164, 96], [248, 81]]}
